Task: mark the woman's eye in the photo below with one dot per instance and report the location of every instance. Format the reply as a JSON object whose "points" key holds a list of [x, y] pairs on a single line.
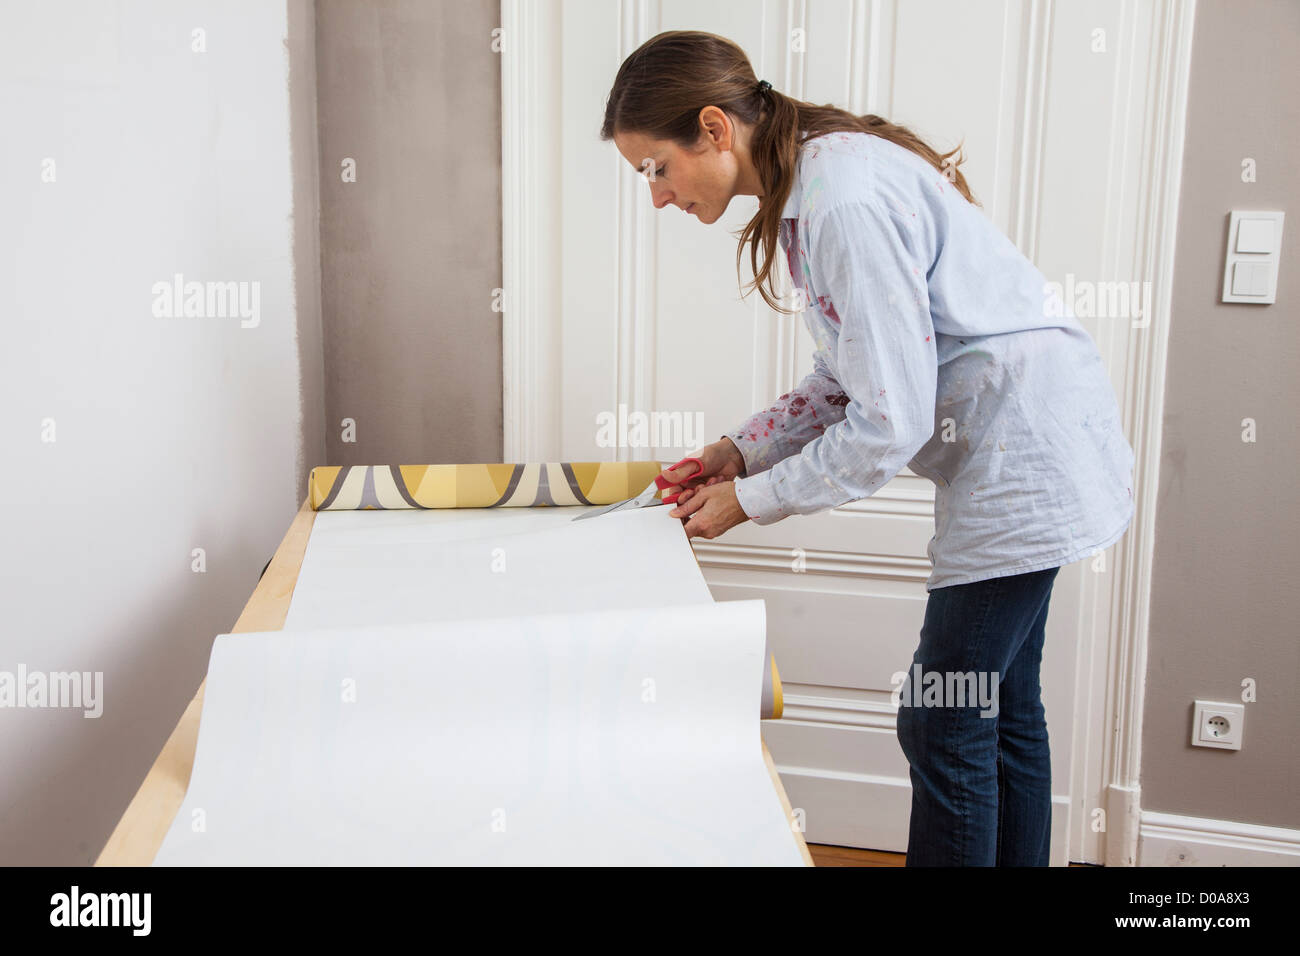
{"points": [[660, 171]]}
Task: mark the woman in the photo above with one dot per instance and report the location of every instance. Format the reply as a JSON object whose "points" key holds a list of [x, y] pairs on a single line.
{"points": [[936, 349]]}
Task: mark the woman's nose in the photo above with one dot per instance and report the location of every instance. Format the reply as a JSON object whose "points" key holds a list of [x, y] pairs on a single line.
{"points": [[661, 197]]}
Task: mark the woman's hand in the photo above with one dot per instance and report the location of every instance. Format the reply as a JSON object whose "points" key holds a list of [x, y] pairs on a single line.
{"points": [[711, 510], [722, 461]]}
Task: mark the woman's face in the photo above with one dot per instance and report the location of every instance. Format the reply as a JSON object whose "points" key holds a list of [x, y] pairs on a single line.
{"points": [[700, 181]]}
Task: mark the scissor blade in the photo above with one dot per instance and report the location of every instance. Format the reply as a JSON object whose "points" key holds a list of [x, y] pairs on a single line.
{"points": [[648, 497], [604, 511]]}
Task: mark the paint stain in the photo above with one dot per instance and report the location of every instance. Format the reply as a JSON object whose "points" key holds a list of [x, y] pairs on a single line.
{"points": [[829, 308]]}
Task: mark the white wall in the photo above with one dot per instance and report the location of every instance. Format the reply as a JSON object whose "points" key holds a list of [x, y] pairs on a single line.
{"points": [[171, 433], [631, 284]]}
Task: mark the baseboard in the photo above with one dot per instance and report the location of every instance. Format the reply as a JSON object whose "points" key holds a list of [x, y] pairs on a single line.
{"points": [[871, 812], [1167, 839]]}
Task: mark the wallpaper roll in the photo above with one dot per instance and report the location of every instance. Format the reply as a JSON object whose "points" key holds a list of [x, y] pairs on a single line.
{"points": [[618, 737], [393, 568], [398, 487]]}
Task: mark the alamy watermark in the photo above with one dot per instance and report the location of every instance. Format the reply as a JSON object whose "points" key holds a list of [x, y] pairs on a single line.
{"points": [[624, 429], [1086, 299], [208, 300], [72, 689], [946, 689], [77, 908]]}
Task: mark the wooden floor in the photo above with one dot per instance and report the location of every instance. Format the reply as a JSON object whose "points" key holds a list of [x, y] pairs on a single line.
{"points": [[824, 855]]}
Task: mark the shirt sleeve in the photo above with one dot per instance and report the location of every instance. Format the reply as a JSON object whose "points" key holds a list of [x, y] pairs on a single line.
{"points": [[870, 275], [793, 421]]}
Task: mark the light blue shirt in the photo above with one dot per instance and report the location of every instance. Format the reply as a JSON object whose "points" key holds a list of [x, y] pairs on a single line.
{"points": [[937, 348]]}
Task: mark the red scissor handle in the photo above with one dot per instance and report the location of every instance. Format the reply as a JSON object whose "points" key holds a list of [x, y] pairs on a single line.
{"points": [[663, 482]]}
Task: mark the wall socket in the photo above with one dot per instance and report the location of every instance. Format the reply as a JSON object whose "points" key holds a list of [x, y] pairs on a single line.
{"points": [[1215, 724]]}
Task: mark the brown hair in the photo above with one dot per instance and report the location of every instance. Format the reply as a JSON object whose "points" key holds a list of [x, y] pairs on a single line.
{"points": [[662, 87]]}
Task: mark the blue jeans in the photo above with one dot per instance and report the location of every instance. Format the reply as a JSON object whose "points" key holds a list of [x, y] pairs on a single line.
{"points": [[981, 785]]}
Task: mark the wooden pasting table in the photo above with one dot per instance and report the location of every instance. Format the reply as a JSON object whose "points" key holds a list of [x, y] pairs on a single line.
{"points": [[140, 832]]}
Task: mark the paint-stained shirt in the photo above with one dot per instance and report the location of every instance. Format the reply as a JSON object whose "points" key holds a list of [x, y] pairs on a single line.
{"points": [[939, 346]]}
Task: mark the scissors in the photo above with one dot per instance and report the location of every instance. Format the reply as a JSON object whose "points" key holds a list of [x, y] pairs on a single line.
{"points": [[648, 498]]}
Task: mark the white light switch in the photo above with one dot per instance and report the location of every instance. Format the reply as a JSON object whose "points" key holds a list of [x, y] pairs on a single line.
{"points": [[1255, 235], [1244, 278], [1254, 251], [1263, 284]]}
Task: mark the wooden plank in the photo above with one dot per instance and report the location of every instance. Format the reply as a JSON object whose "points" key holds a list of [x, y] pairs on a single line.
{"points": [[785, 805], [138, 835]]}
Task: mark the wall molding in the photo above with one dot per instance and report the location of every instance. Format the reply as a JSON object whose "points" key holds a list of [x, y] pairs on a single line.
{"points": [[896, 498], [638, 234], [782, 331], [530, 258], [1027, 176], [840, 794], [810, 708], [1168, 839], [750, 557], [1166, 87]]}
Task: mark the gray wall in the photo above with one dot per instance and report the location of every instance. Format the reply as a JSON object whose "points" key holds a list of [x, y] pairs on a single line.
{"points": [[305, 151], [1227, 552], [411, 251], [172, 432]]}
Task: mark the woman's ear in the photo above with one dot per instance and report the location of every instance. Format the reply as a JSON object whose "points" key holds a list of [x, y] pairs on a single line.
{"points": [[717, 127]]}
